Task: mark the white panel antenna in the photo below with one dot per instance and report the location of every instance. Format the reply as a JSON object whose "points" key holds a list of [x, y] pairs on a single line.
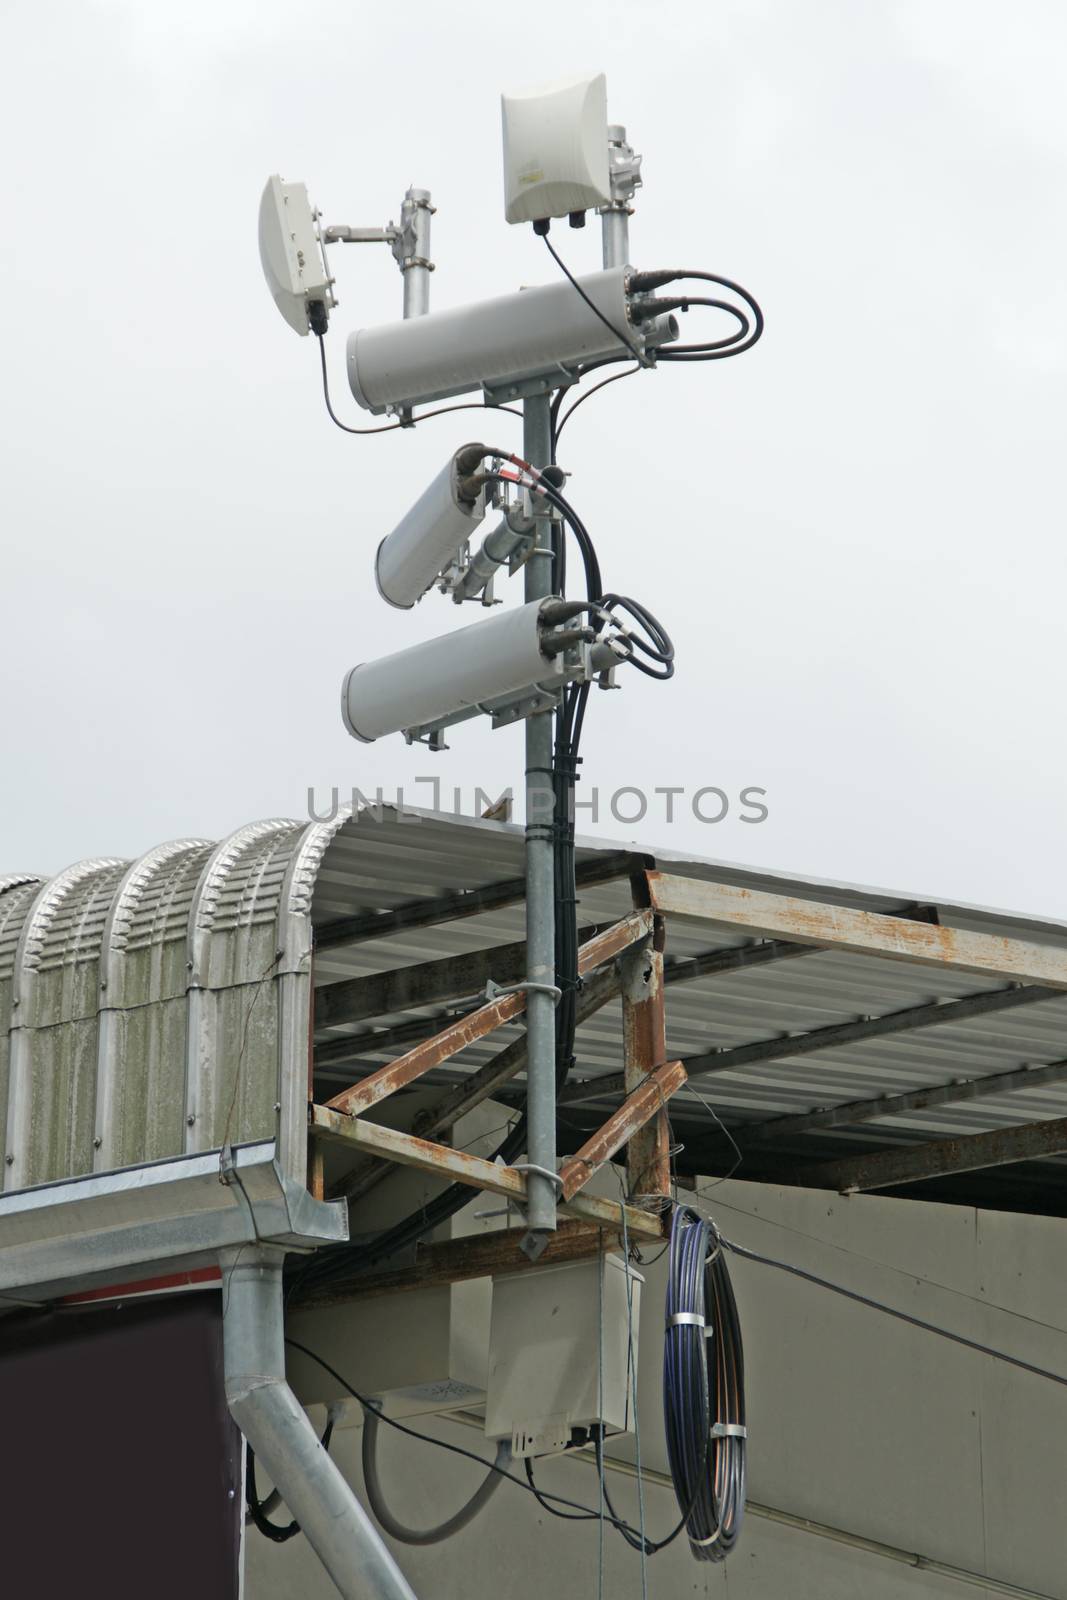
{"points": [[556, 150], [292, 254]]}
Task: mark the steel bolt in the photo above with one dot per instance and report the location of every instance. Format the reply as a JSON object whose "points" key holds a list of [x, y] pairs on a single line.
{"points": [[190, 1119], [10, 1160], [97, 1142]]}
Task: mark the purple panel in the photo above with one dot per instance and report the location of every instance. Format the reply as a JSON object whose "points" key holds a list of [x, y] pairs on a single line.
{"points": [[122, 1467]]}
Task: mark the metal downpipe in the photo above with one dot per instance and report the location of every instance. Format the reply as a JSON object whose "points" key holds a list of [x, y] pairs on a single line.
{"points": [[275, 1425]]}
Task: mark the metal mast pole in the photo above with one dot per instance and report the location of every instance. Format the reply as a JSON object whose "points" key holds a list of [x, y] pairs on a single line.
{"points": [[540, 882], [625, 171], [412, 251]]}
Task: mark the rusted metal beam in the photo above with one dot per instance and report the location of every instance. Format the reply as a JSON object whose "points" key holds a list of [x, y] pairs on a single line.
{"points": [[406, 1068], [467, 903], [886, 1169], [601, 988], [867, 932], [644, 1035], [611, 942], [476, 1024], [481, 1255], [457, 1166], [891, 1105], [340, 1051], [643, 1105]]}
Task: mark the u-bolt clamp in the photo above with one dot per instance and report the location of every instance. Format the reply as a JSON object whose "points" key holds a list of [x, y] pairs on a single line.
{"points": [[494, 991]]}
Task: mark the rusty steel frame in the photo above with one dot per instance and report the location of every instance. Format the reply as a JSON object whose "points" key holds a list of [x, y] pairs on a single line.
{"points": [[431, 1053], [644, 1029], [937, 1158], [457, 1166], [654, 1081], [480, 1255], [456, 1102], [822, 923], [641, 1114], [475, 1025], [796, 925]]}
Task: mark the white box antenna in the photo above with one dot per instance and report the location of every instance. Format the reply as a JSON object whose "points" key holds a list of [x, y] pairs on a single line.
{"points": [[291, 253], [556, 149]]}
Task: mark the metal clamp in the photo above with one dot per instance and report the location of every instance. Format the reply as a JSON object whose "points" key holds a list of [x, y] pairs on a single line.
{"points": [[728, 1430], [686, 1319], [542, 1172], [495, 991]]}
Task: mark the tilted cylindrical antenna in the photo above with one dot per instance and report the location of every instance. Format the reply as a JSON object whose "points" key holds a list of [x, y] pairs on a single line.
{"points": [[433, 532]]}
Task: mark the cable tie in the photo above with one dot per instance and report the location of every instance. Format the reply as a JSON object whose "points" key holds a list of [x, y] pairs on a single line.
{"points": [[686, 1319], [728, 1430]]}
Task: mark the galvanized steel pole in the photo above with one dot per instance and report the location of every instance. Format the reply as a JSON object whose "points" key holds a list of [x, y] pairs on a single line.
{"points": [[540, 883], [414, 257], [625, 171]]}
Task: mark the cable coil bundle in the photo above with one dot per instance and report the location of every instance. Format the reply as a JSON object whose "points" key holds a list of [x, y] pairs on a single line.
{"points": [[704, 1389]]}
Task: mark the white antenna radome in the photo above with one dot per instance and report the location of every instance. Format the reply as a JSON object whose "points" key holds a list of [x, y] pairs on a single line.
{"points": [[292, 254], [556, 149]]}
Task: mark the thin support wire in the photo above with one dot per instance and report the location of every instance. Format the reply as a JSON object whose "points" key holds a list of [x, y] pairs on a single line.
{"points": [[631, 1368], [738, 1155], [600, 1409]]}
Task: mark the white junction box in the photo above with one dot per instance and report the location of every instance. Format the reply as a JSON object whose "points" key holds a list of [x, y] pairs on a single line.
{"points": [[562, 1348]]}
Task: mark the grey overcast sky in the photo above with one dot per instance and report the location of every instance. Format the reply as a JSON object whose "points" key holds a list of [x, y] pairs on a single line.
{"points": [[855, 533]]}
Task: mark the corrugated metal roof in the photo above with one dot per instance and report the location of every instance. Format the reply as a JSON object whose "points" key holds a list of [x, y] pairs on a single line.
{"points": [[135, 996]]}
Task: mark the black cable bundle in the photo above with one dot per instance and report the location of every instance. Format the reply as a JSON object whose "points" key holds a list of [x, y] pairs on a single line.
{"points": [[565, 763], [704, 1389], [259, 1510]]}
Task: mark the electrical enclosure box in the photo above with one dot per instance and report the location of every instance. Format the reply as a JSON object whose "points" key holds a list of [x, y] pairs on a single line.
{"points": [[556, 149], [562, 1353]]}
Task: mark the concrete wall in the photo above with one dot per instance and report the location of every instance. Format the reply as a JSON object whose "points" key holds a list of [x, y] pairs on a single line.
{"points": [[882, 1461]]}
